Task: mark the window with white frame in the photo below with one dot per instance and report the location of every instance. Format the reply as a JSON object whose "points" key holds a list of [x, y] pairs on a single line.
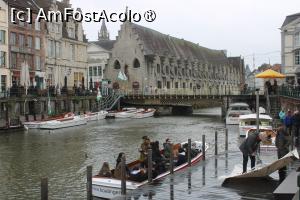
{"points": [[72, 52], [38, 63], [51, 48], [21, 40], [297, 57], [58, 49], [13, 39], [99, 71], [71, 33], [90, 71], [2, 58], [297, 39], [95, 71], [29, 41], [2, 36], [37, 25], [37, 43]]}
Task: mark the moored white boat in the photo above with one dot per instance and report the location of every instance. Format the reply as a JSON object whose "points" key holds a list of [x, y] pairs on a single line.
{"points": [[248, 122], [95, 116], [37, 124], [109, 188], [144, 113], [234, 112], [64, 123], [127, 113]]}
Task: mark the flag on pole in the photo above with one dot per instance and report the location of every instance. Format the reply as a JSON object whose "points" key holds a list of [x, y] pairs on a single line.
{"points": [[49, 107], [99, 96]]}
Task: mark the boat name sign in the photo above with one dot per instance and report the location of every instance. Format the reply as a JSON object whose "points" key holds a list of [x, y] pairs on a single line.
{"points": [[101, 189]]}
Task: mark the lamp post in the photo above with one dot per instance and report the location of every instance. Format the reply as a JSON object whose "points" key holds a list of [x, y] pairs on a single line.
{"points": [[257, 110]]}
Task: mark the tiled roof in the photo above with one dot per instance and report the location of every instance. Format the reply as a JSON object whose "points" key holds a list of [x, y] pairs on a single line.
{"points": [[105, 44], [156, 43], [290, 18]]}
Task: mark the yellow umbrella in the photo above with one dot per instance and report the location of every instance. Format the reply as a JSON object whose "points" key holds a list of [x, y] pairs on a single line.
{"points": [[270, 74]]}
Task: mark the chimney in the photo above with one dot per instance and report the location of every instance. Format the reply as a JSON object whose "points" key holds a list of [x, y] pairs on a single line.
{"points": [[67, 2]]}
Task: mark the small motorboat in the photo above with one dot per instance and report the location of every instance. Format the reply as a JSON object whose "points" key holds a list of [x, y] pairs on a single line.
{"points": [[64, 123], [248, 122], [37, 124], [144, 113], [127, 112], [108, 188], [234, 112], [10, 129], [268, 145], [95, 116]]}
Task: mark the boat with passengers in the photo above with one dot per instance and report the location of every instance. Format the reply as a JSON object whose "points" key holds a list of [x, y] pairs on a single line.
{"points": [[235, 110], [109, 187]]}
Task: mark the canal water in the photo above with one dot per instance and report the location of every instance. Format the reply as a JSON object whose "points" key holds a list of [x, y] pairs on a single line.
{"points": [[63, 155]]}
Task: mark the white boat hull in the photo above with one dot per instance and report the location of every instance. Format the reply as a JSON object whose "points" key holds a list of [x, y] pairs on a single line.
{"points": [[244, 129], [96, 116], [144, 114], [232, 120], [59, 124]]}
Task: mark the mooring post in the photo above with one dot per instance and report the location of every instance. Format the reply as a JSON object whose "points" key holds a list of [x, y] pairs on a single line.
{"points": [[298, 184], [226, 139], [89, 174], [189, 152], [171, 160], [203, 147], [44, 189], [123, 175], [149, 165], [216, 143]]}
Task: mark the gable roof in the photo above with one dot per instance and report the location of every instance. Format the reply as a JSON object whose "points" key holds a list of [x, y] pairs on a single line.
{"points": [[290, 18], [156, 43], [105, 44]]}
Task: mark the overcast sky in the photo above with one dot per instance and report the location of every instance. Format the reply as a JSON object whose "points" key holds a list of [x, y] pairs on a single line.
{"points": [[242, 27]]}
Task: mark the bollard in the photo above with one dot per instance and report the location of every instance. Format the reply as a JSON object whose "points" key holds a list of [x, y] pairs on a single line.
{"points": [[189, 152], [172, 160], [123, 175], [216, 143], [89, 170], [203, 147], [149, 165], [226, 139], [44, 189]]}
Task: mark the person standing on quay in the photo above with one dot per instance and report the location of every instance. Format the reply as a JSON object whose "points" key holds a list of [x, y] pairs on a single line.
{"points": [[282, 143], [249, 148], [296, 124], [288, 122], [282, 115]]}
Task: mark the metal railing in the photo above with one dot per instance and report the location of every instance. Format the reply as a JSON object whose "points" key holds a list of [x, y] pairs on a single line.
{"points": [[289, 91]]}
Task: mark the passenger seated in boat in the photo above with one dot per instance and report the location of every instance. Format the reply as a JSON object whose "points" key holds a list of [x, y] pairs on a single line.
{"points": [[157, 158], [138, 175], [105, 170], [180, 155], [117, 171], [144, 149]]}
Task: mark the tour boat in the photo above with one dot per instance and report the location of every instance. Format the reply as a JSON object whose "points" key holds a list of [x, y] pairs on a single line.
{"points": [[234, 112], [248, 122], [127, 112], [64, 123], [95, 116], [267, 146], [37, 124], [108, 188], [144, 113]]}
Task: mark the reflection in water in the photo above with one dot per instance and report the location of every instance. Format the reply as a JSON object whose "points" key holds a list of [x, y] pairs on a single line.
{"points": [[216, 167], [189, 181], [226, 162], [203, 174], [171, 187]]}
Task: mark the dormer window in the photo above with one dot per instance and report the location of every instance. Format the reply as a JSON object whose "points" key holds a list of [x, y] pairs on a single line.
{"points": [[71, 33]]}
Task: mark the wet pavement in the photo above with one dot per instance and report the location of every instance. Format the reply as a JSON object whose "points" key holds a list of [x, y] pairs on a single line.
{"points": [[63, 155]]}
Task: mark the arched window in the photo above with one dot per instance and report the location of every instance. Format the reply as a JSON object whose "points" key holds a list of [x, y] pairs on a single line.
{"points": [[117, 65], [136, 63], [158, 69]]}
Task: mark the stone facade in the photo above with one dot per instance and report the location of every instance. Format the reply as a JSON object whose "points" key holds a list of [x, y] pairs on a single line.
{"points": [[99, 53], [157, 63], [26, 45], [5, 81], [290, 48], [66, 44]]}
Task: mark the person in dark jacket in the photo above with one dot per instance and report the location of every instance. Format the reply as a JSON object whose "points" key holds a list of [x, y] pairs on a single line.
{"points": [[249, 147], [282, 142], [296, 124], [288, 122]]}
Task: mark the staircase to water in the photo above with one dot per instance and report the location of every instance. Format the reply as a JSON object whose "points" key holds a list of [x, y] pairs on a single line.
{"points": [[108, 102]]}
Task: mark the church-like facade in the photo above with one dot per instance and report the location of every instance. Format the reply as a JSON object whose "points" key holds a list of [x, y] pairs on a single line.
{"points": [[155, 63]]}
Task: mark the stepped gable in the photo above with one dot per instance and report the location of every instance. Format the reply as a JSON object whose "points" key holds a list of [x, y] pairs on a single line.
{"points": [[290, 18], [156, 43]]}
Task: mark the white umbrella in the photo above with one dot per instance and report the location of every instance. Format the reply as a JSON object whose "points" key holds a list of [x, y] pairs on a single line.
{"points": [[25, 77]]}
